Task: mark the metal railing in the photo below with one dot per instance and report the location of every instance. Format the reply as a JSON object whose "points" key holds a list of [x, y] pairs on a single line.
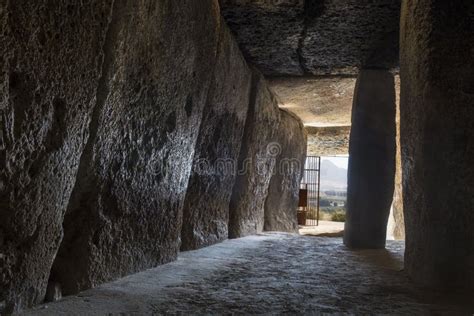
{"points": [[311, 183]]}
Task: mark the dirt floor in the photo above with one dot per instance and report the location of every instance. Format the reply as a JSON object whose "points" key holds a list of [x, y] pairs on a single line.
{"points": [[270, 273]]}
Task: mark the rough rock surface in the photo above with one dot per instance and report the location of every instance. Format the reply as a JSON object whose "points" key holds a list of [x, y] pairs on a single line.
{"points": [[324, 104], [256, 161], [101, 109], [125, 212], [318, 101], [51, 53], [296, 37], [270, 274], [282, 200], [398, 215], [437, 141], [268, 32], [206, 208], [371, 174], [328, 140], [343, 35]]}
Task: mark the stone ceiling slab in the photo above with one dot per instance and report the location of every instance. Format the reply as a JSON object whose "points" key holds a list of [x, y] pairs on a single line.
{"points": [[316, 37], [317, 101]]}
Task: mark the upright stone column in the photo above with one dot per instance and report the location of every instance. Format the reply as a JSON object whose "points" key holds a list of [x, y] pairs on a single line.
{"points": [[283, 193], [437, 137], [371, 161]]}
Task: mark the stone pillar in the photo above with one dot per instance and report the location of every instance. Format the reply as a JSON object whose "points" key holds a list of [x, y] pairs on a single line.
{"points": [[371, 160], [283, 193], [437, 138]]}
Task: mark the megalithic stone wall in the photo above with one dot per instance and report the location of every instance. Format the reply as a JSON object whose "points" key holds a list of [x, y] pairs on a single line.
{"points": [[51, 56], [256, 162], [372, 151], [282, 200], [125, 212], [103, 107], [437, 138], [206, 208]]}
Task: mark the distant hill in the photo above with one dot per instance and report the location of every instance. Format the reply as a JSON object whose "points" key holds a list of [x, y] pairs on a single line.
{"points": [[332, 176]]}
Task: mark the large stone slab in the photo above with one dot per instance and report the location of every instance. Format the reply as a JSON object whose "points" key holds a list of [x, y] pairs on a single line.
{"points": [[51, 55], [371, 174], [256, 161], [342, 36], [437, 136], [283, 192], [268, 32], [206, 208], [318, 101], [328, 140], [316, 37], [125, 212]]}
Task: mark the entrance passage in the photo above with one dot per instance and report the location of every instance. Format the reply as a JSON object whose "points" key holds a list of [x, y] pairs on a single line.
{"points": [[308, 214]]}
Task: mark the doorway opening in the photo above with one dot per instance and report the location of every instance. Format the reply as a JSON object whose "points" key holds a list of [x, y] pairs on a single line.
{"points": [[308, 212], [333, 196], [323, 195]]}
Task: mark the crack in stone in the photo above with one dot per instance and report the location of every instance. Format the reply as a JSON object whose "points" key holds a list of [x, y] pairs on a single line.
{"points": [[312, 9], [302, 37], [84, 172]]}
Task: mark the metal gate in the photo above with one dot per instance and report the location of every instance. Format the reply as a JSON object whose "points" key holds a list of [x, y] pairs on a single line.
{"points": [[311, 184]]}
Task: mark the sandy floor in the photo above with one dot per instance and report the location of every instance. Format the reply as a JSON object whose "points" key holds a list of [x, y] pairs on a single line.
{"points": [[271, 273]]}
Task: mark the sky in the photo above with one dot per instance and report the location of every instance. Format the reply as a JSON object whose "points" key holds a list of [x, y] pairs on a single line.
{"points": [[340, 161]]}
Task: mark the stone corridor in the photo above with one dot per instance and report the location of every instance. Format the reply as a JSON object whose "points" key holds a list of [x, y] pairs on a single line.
{"points": [[268, 273]]}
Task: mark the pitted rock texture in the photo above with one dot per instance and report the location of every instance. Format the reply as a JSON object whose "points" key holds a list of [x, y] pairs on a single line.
{"points": [[371, 174], [297, 37], [328, 140], [206, 208], [343, 35], [256, 161], [283, 192], [101, 109], [268, 32], [437, 136], [125, 212], [318, 101], [51, 54]]}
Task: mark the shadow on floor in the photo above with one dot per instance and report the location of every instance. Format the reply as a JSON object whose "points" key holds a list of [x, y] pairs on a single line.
{"points": [[381, 258]]}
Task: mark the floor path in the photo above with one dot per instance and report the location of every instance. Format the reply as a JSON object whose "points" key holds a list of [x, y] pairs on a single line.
{"points": [[266, 274]]}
